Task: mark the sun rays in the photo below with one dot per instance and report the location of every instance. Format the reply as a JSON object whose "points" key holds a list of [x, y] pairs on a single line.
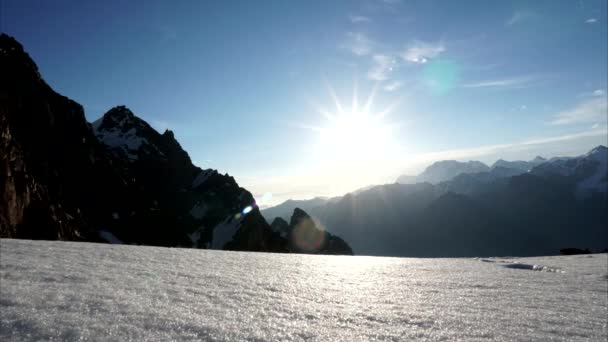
{"points": [[355, 134]]}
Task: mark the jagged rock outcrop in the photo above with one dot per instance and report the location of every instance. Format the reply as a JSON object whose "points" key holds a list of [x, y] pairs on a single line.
{"points": [[280, 226], [203, 208], [50, 162], [305, 237], [62, 178]]}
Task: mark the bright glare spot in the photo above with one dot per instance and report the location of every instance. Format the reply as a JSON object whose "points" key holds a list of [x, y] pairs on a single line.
{"points": [[247, 209], [440, 76], [356, 136], [266, 198]]}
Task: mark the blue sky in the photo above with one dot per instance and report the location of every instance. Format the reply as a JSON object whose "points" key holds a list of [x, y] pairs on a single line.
{"points": [[243, 83]]}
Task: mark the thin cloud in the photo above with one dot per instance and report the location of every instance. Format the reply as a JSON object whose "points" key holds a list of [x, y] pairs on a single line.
{"points": [[591, 21], [383, 66], [599, 92], [392, 86], [501, 148], [358, 44], [357, 19], [517, 17], [421, 52], [514, 82], [589, 110]]}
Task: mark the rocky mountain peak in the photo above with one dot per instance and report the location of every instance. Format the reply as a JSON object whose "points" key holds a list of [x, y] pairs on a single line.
{"points": [[599, 152], [169, 134], [120, 118], [298, 216], [12, 53], [280, 226], [126, 135]]}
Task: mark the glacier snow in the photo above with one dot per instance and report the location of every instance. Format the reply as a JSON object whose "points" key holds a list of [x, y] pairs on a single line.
{"points": [[71, 291]]}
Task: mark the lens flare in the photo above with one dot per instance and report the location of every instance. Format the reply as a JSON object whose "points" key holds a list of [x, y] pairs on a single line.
{"points": [[307, 237], [441, 75], [247, 210], [266, 198]]}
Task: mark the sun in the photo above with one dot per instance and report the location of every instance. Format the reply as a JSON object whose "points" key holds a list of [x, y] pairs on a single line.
{"points": [[355, 135]]}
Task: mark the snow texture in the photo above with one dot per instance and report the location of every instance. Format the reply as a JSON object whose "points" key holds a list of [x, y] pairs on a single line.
{"points": [[85, 291], [128, 141], [523, 266]]}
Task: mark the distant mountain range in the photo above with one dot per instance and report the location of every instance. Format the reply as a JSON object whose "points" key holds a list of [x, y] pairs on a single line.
{"points": [[446, 170], [116, 180], [510, 208]]}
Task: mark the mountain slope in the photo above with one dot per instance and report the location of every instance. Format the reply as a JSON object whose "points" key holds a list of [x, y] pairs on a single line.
{"points": [[519, 164], [49, 158], [589, 172], [444, 170], [503, 211], [202, 207], [305, 237], [119, 179], [285, 209]]}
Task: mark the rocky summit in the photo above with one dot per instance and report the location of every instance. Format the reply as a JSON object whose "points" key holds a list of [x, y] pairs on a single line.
{"points": [[115, 180]]}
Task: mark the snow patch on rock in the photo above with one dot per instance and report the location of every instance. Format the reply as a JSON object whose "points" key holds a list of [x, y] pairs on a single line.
{"points": [[196, 236], [599, 180], [109, 237], [128, 141], [224, 232]]}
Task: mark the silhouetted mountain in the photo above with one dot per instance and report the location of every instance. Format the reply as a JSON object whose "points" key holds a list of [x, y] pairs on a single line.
{"points": [[305, 237], [406, 179], [55, 178], [202, 207], [587, 173], [471, 183], [443, 171], [285, 209], [519, 164], [503, 211], [446, 170], [280, 226], [118, 178]]}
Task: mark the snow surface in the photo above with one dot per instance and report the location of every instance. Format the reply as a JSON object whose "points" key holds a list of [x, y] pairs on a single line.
{"points": [[72, 291]]}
